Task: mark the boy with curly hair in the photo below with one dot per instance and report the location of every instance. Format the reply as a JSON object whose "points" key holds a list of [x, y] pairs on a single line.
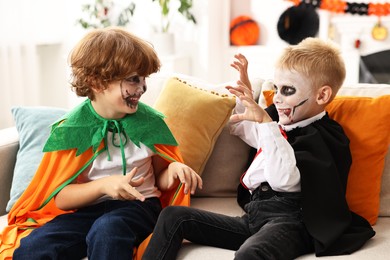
{"points": [[110, 164]]}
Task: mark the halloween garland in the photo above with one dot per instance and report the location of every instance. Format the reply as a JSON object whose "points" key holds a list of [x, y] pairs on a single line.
{"points": [[339, 6], [301, 20]]}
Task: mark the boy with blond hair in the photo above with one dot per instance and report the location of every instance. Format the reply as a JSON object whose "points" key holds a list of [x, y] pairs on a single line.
{"points": [[297, 180]]}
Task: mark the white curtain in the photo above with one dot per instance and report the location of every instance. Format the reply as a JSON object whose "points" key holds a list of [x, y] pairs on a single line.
{"points": [[19, 69]]}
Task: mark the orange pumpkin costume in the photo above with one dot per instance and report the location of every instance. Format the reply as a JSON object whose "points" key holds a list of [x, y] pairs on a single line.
{"points": [[58, 168]]}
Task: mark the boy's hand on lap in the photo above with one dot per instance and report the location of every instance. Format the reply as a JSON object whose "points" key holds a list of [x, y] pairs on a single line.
{"points": [[123, 187]]}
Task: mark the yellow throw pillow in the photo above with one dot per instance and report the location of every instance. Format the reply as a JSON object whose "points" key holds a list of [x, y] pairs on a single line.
{"points": [[196, 118]]}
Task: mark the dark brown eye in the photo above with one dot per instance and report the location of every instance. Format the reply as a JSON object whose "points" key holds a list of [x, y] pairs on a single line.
{"points": [[287, 91], [134, 79]]}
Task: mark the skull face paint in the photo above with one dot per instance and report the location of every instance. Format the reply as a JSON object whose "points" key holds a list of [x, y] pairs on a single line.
{"points": [[294, 97], [132, 89]]}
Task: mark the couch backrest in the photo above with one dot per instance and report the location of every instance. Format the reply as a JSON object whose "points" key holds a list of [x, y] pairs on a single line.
{"points": [[9, 144], [227, 162]]}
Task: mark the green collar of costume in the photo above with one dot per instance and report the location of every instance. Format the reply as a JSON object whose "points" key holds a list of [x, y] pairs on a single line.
{"points": [[83, 128]]}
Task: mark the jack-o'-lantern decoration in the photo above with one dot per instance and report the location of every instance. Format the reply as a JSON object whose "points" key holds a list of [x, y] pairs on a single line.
{"points": [[244, 31]]}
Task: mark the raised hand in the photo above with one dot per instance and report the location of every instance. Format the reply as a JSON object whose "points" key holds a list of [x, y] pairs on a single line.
{"points": [[240, 89], [253, 112], [241, 65]]}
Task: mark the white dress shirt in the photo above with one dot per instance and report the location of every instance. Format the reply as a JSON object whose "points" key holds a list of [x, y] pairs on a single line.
{"points": [[276, 163]]}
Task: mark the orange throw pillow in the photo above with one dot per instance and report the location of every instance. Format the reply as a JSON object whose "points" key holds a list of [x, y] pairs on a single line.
{"points": [[365, 122]]}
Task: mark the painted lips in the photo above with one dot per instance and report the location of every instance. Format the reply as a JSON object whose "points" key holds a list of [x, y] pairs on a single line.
{"points": [[285, 111], [132, 101]]}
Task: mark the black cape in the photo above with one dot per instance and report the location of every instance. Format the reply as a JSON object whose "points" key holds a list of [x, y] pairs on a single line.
{"points": [[324, 159]]}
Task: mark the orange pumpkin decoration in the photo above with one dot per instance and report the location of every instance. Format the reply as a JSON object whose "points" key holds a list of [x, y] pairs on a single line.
{"points": [[244, 31]]}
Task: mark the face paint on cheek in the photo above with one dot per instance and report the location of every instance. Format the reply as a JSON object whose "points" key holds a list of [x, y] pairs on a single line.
{"points": [[129, 100], [295, 107]]}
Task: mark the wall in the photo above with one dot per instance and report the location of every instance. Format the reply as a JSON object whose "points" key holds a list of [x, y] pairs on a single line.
{"points": [[344, 29], [350, 28], [204, 48]]}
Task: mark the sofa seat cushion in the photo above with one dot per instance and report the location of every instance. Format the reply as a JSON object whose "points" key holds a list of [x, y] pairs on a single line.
{"points": [[223, 205], [192, 251], [376, 248], [3, 222]]}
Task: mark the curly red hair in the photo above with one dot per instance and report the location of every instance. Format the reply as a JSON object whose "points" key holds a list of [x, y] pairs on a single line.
{"points": [[106, 55]]}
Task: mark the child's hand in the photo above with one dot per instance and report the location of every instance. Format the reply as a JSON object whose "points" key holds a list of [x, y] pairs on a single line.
{"points": [[253, 112], [241, 65], [186, 175], [123, 187], [240, 89]]}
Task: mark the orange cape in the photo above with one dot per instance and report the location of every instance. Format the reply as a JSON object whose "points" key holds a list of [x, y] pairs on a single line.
{"points": [[36, 205]]}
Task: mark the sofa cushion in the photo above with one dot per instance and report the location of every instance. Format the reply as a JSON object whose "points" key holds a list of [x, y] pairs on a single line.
{"points": [[196, 117], [220, 175], [228, 161], [363, 113], [33, 125], [364, 120], [384, 206], [9, 146], [375, 90]]}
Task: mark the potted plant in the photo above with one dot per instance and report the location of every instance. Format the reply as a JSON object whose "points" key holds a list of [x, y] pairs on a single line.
{"points": [[163, 39], [103, 13], [166, 12]]}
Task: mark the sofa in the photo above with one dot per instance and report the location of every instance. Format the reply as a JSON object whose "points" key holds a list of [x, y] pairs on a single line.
{"points": [[227, 158]]}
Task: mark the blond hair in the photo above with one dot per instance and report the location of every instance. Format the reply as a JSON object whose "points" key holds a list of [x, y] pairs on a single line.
{"points": [[317, 59], [106, 55]]}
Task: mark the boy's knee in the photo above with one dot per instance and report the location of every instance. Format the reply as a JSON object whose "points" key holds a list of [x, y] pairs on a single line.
{"points": [[173, 213], [108, 225], [106, 230]]}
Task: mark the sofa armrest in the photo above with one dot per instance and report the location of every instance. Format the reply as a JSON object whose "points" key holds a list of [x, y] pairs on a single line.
{"points": [[9, 145]]}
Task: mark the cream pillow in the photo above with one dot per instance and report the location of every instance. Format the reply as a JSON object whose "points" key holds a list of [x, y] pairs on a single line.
{"points": [[196, 118]]}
